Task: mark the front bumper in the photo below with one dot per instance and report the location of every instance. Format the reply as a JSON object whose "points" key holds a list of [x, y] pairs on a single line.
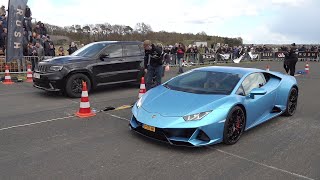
{"points": [[175, 136], [49, 81]]}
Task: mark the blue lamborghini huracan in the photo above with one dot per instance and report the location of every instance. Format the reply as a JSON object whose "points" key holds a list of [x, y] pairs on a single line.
{"points": [[214, 104]]}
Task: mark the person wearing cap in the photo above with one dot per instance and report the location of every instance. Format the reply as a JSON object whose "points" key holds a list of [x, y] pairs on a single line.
{"points": [[152, 64], [291, 59]]}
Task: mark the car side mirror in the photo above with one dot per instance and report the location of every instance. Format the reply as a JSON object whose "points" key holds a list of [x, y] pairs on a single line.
{"points": [[257, 91], [103, 56]]}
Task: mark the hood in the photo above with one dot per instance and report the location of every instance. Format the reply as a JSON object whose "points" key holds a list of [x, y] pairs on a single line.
{"points": [[65, 59], [176, 103]]}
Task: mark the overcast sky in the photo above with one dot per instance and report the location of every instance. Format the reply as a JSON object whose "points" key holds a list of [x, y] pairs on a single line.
{"points": [[256, 21]]}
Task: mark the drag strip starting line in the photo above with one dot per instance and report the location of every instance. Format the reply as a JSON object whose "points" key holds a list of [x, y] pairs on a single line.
{"points": [[239, 157], [40, 122], [67, 117]]}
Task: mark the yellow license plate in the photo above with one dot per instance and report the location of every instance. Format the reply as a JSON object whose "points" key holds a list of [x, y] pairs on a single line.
{"points": [[149, 128]]}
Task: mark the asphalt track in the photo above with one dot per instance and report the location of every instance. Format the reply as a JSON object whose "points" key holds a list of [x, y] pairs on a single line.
{"points": [[40, 138]]}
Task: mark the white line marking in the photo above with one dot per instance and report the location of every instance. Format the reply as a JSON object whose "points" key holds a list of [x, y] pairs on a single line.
{"points": [[40, 122], [115, 116], [240, 157], [261, 164]]}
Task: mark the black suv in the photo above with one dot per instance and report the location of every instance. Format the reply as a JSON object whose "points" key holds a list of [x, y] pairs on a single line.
{"points": [[99, 63]]}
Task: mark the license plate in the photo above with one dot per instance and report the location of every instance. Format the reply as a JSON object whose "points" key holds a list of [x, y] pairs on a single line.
{"points": [[149, 128], [36, 75]]}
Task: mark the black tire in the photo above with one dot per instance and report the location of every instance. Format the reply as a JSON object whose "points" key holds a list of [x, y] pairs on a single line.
{"points": [[74, 85], [234, 125], [292, 102]]}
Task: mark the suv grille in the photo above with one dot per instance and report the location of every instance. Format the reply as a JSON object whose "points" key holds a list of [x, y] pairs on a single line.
{"points": [[42, 68]]}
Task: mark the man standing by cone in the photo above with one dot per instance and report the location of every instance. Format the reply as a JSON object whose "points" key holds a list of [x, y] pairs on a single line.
{"points": [[152, 64], [291, 59]]}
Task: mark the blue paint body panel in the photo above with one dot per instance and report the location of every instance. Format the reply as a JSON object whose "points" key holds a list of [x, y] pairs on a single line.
{"points": [[164, 109]]}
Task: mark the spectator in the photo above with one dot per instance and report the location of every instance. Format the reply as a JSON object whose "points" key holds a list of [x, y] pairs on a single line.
{"points": [[152, 64], [52, 51], [43, 30], [27, 22], [180, 55], [174, 53], [37, 29], [61, 51], [47, 44], [72, 48], [3, 11], [32, 51], [40, 51]]}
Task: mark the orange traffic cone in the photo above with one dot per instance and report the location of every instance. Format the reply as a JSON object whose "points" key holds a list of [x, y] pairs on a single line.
{"points": [[85, 110], [29, 74], [307, 68], [142, 88], [7, 77], [268, 68]]}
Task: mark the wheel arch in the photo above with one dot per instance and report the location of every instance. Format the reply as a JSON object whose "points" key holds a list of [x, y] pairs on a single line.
{"points": [[85, 72]]}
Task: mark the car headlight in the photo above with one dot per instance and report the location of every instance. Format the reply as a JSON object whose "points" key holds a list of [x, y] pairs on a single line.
{"points": [[56, 68], [195, 117], [139, 103]]}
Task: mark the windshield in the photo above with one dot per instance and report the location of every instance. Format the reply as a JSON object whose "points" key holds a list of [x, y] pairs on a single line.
{"points": [[204, 82], [90, 50]]}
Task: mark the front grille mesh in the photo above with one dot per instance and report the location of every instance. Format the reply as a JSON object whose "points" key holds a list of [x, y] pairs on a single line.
{"points": [[42, 68]]}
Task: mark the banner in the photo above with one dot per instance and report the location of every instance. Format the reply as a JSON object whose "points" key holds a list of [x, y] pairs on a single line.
{"points": [[308, 55], [16, 9], [238, 59], [266, 55], [207, 56], [279, 55], [253, 56], [225, 56]]}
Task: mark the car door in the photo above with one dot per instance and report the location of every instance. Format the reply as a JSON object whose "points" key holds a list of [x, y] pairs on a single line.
{"points": [[261, 105], [133, 59], [109, 66]]}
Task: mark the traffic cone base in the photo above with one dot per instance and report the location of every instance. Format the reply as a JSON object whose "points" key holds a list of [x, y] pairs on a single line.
{"points": [[85, 115], [85, 110], [8, 83]]}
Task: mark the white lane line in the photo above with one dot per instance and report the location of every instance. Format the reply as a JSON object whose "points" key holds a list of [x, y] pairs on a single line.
{"points": [[40, 122], [240, 157], [118, 117], [261, 164]]}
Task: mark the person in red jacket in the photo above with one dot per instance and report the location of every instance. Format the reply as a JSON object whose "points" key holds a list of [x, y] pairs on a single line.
{"points": [[180, 56]]}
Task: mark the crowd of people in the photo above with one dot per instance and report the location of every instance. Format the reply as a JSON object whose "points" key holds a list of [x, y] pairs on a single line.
{"points": [[36, 39]]}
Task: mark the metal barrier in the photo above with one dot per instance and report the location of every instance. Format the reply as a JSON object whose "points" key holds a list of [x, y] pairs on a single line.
{"points": [[21, 66], [213, 58]]}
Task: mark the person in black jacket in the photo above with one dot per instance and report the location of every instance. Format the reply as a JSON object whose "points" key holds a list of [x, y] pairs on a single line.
{"points": [[152, 64], [291, 59]]}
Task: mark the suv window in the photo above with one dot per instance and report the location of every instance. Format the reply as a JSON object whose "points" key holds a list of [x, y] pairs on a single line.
{"points": [[255, 80], [114, 51], [90, 50], [132, 50]]}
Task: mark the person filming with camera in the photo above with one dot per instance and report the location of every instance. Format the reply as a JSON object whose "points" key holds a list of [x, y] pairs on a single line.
{"points": [[291, 59]]}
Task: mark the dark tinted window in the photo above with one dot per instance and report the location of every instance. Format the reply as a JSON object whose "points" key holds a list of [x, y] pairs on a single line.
{"points": [[90, 50], [114, 51], [204, 82], [132, 50]]}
